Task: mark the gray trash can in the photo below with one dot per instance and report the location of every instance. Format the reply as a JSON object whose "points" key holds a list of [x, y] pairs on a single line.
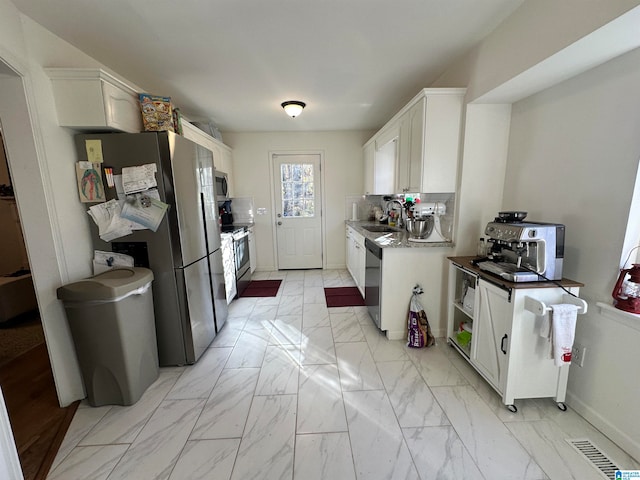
{"points": [[113, 327]]}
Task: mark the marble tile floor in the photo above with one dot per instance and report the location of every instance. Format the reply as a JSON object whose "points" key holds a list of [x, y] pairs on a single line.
{"points": [[293, 390]]}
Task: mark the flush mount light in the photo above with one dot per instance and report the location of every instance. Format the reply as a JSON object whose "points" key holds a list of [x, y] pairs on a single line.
{"points": [[293, 108]]}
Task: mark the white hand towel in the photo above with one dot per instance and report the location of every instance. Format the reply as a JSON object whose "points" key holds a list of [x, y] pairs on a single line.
{"points": [[563, 329]]}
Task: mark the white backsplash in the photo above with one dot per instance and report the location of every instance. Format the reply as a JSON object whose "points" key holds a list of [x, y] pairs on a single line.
{"points": [[362, 207], [243, 209]]}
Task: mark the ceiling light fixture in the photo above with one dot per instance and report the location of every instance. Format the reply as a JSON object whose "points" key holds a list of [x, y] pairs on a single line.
{"points": [[293, 108]]}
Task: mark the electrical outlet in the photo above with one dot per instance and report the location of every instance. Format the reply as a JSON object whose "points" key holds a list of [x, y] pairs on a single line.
{"points": [[577, 354]]}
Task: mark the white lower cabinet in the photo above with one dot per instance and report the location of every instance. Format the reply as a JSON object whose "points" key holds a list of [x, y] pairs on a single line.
{"points": [[252, 249], [356, 257], [229, 265], [505, 347]]}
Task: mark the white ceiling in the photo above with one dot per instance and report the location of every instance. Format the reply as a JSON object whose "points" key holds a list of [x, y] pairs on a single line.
{"points": [[354, 62]]}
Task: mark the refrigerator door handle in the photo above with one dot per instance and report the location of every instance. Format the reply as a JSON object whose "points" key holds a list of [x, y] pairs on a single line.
{"points": [[204, 220]]}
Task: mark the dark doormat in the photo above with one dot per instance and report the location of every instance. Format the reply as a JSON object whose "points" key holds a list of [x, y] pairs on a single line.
{"points": [[343, 297], [262, 288]]}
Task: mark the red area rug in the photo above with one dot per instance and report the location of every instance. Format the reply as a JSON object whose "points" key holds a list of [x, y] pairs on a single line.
{"points": [[262, 288], [343, 297]]}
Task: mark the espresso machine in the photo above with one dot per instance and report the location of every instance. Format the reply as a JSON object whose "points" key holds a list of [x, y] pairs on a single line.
{"points": [[520, 251]]}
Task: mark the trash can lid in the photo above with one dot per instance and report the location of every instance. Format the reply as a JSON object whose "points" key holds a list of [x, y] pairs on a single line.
{"points": [[108, 285]]}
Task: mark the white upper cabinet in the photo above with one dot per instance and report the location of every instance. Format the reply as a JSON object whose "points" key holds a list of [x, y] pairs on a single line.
{"points": [[92, 99], [380, 159], [441, 140], [369, 152], [418, 149], [222, 154]]}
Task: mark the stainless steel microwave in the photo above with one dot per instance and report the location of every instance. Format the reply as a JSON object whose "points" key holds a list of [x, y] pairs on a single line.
{"points": [[222, 187]]}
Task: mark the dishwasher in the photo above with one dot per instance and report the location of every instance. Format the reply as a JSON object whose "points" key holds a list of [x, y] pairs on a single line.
{"points": [[373, 280]]}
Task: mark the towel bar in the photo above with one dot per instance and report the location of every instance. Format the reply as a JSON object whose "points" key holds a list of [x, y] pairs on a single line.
{"points": [[540, 308]]}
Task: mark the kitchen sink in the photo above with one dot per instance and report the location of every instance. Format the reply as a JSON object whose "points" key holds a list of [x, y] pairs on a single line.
{"points": [[380, 228]]}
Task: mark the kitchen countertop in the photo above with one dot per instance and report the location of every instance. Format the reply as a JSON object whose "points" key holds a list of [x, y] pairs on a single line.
{"points": [[235, 227], [398, 239]]}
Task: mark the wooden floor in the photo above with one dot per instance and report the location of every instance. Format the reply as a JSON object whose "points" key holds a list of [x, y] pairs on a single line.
{"points": [[37, 421]]}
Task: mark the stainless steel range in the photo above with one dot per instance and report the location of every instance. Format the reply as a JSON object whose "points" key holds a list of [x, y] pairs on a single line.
{"points": [[243, 266]]}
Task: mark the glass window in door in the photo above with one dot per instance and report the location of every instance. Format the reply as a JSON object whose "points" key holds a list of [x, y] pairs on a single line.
{"points": [[297, 193]]}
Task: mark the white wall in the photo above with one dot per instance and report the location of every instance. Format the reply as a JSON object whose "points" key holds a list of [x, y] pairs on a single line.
{"points": [[14, 254], [533, 33], [342, 172], [41, 159], [573, 157]]}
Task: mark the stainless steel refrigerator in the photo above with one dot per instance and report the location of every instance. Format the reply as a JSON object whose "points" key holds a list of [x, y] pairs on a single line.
{"points": [[184, 253]]}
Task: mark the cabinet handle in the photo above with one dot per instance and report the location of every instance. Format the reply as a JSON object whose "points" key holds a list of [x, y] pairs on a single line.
{"points": [[502, 344]]}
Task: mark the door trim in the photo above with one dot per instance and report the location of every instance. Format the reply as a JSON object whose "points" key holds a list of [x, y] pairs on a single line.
{"points": [[323, 219]]}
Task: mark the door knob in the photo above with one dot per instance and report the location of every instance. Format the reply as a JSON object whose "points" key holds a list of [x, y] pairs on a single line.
{"points": [[279, 215], [279, 223]]}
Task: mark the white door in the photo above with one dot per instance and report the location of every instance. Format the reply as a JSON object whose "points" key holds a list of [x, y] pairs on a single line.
{"points": [[298, 203]]}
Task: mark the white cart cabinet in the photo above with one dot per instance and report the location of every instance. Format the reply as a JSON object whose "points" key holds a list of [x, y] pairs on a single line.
{"points": [[506, 347], [491, 333]]}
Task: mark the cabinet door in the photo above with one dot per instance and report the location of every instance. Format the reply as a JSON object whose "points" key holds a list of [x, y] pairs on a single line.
{"points": [[121, 109], [369, 152], [361, 264], [252, 250], [385, 159], [443, 117], [227, 167], [416, 148], [403, 175], [385, 167], [491, 330], [347, 249], [409, 171], [350, 252]]}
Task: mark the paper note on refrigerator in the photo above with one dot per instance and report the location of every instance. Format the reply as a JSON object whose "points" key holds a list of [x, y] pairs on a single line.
{"points": [[94, 151], [110, 223], [90, 186], [144, 210], [139, 179], [153, 193]]}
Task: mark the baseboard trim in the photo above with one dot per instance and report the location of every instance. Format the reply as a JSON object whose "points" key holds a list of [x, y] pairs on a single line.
{"points": [[620, 438]]}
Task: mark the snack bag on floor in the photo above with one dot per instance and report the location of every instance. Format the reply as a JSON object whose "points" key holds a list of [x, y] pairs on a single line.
{"points": [[419, 331]]}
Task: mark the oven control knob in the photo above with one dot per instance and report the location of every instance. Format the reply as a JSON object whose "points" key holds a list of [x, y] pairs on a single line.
{"points": [[532, 233]]}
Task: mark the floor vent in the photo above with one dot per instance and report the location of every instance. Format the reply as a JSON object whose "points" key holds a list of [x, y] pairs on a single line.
{"points": [[594, 456]]}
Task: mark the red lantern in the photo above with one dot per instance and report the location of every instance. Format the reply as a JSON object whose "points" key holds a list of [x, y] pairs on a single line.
{"points": [[626, 293]]}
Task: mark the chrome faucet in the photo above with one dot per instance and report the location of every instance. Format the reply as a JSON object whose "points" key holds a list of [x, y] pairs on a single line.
{"points": [[400, 222]]}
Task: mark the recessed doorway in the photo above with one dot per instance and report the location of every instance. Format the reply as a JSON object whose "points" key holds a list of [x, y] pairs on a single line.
{"points": [[298, 209]]}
